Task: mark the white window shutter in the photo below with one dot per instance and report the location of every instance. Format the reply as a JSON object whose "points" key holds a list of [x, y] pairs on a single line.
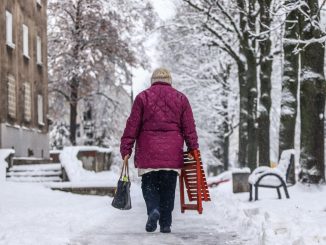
{"points": [[25, 41], [9, 29], [28, 102], [38, 50], [40, 109], [12, 96]]}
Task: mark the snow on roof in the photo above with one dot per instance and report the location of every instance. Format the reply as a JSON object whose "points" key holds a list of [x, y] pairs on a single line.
{"points": [[92, 148], [55, 151]]}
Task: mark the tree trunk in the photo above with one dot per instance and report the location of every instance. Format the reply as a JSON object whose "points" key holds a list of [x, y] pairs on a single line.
{"points": [[225, 115], [226, 146], [289, 83], [242, 77], [74, 83], [73, 110], [265, 83], [312, 98], [252, 110], [250, 45], [243, 124]]}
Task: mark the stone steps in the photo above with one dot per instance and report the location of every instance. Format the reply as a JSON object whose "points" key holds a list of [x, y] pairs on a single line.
{"points": [[35, 173]]}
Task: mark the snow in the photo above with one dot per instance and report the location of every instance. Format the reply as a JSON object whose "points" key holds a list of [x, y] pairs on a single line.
{"points": [[34, 179], [55, 151], [33, 173], [28, 158], [280, 171], [4, 153], [92, 148], [165, 9], [241, 170], [36, 167], [76, 172], [298, 220], [33, 214]]}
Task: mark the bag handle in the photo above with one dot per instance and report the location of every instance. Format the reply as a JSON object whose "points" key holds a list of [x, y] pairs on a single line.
{"points": [[125, 169]]}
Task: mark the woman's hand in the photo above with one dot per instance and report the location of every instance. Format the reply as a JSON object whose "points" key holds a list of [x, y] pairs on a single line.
{"points": [[192, 153], [190, 156]]}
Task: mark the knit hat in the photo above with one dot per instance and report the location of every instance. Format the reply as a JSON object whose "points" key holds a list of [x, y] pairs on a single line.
{"points": [[161, 75]]}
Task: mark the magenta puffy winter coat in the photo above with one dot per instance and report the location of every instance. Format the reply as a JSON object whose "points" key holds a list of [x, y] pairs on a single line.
{"points": [[161, 120]]}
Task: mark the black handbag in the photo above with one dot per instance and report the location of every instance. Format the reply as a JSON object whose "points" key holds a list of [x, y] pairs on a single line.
{"points": [[121, 199]]}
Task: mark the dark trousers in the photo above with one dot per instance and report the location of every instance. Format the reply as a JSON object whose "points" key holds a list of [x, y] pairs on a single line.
{"points": [[159, 192]]}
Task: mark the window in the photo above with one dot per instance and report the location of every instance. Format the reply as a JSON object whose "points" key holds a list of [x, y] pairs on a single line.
{"points": [[27, 102], [38, 51], [39, 3], [9, 26], [25, 41], [11, 96], [40, 109]]}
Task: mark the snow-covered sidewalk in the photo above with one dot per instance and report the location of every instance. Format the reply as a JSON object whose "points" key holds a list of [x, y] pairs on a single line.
{"points": [[128, 227], [33, 214]]}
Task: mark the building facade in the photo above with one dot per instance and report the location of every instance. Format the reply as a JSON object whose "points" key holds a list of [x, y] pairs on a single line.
{"points": [[24, 77]]}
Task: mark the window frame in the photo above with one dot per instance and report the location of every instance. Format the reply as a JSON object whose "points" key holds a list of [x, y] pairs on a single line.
{"points": [[39, 51], [40, 110], [39, 3], [25, 41], [9, 30]]}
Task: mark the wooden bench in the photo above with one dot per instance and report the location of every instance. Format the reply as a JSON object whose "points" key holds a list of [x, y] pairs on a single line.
{"points": [[275, 178]]}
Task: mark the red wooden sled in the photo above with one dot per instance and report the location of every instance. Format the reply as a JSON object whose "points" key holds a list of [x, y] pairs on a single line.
{"points": [[193, 177]]}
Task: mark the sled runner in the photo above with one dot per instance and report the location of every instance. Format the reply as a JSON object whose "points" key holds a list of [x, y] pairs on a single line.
{"points": [[193, 178]]}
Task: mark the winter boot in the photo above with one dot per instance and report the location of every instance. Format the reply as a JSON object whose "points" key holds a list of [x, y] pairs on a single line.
{"points": [[165, 229], [153, 217]]}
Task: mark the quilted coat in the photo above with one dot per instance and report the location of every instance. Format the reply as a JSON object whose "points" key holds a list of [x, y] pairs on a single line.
{"points": [[161, 120]]}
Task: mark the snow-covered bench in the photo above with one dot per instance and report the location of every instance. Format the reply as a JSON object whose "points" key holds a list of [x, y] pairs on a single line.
{"points": [[271, 177]]}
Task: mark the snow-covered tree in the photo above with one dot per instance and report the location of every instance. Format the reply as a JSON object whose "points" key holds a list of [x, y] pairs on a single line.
{"points": [[88, 38], [204, 76], [265, 77], [312, 94], [290, 78], [243, 29]]}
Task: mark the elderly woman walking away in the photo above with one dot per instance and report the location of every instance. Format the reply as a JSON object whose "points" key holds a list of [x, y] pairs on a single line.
{"points": [[161, 120]]}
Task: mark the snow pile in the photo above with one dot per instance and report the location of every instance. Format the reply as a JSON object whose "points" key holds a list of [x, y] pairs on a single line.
{"points": [[4, 153], [75, 171], [300, 220], [33, 214], [235, 215], [227, 175]]}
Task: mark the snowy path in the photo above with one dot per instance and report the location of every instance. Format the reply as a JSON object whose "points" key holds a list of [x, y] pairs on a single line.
{"points": [[128, 227]]}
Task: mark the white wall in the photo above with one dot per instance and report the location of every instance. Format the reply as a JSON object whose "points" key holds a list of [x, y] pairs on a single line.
{"points": [[23, 139]]}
